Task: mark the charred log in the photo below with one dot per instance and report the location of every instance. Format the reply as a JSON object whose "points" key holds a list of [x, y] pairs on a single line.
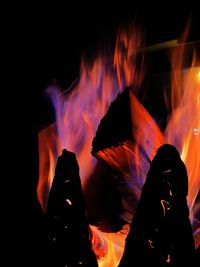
{"points": [[126, 140], [66, 221], [115, 127], [123, 130], [160, 232]]}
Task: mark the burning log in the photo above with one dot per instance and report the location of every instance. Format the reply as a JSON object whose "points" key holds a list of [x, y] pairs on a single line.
{"points": [[65, 218], [126, 140], [126, 127]]}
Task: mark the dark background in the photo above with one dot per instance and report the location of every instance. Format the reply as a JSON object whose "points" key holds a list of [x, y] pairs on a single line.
{"points": [[40, 45]]}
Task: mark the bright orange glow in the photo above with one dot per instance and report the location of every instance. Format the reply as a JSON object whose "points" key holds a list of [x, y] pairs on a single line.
{"points": [[109, 247], [198, 76]]}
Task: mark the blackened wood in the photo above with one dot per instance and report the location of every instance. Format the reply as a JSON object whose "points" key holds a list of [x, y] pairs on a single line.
{"points": [[66, 221], [127, 136], [160, 233], [115, 127]]}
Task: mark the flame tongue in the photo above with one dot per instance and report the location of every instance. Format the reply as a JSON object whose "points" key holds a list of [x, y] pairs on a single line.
{"points": [[184, 123], [49, 149]]}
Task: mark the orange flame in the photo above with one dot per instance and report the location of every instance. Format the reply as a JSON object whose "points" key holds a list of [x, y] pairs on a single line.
{"points": [[109, 246], [130, 71], [184, 123], [146, 132], [49, 149]]}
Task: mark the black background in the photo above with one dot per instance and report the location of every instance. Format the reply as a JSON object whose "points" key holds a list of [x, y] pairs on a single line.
{"points": [[40, 45]]}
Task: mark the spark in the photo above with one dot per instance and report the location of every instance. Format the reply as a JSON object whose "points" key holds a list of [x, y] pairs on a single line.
{"points": [[69, 201]]}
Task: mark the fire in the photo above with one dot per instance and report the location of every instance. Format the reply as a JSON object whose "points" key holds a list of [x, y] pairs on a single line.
{"points": [[198, 76], [183, 131], [49, 148], [79, 111], [109, 246], [128, 43], [184, 123], [78, 114]]}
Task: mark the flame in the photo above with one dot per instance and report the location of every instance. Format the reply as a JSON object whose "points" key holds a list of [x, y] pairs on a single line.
{"points": [[184, 123], [108, 247], [146, 132], [49, 148], [129, 72], [79, 112]]}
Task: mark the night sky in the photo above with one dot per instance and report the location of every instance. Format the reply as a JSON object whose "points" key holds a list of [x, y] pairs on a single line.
{"points": [[39, 47]]}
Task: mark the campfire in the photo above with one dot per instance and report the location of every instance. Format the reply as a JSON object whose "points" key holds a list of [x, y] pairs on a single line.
{"points": [[114, 121]]}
